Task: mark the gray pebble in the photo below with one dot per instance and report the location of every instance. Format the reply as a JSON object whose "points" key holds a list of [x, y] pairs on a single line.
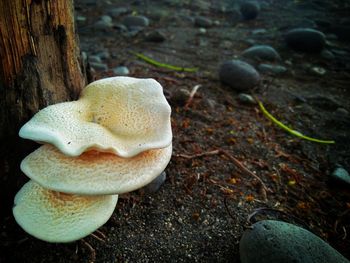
{"points": [[121, 71], [95, 59], [239, 75], [326, 54], [271, 241], [341, 175], [274, 69], [305, 40], [135, 21], [154, 186], [116, 12], [99, 66], [261, 52], [155, 36], [179, 97], [246, 98], [202, 21], [319, 71], [104, 54], [249, 10]]}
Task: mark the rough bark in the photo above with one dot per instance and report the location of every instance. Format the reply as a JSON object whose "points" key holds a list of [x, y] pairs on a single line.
{"points": [[39, 65]]}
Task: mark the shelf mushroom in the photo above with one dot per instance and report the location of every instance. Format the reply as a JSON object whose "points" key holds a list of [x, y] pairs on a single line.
{"points": [[121, 115], [93, 172], [115, 139], [59, 217]]}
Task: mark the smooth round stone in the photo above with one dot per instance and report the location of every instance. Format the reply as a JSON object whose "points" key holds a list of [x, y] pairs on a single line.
{"points": [[102, 25], [261, 52], [326, 54], [121, 71], [271, 241], [155, 36], [341, 175], [154, 186], [99, 66], [246, 98], [135, 21], [239, 75], [275, 69], [95, 59], [306, 40], [202, 21], [118, 11], [249, 10]]}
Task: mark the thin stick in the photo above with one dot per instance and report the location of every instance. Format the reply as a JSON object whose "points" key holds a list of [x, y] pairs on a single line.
{"points": [[101, 234], [193, 92], [92, 250], [98, 238], [186, 156], [247, 171], [244, 169]]}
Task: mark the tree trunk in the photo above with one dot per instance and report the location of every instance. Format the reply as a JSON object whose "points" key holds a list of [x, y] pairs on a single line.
{"points": [[40, 65]]}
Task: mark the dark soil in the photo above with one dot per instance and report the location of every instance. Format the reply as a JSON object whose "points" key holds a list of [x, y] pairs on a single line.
{"points": [[200, 212]]}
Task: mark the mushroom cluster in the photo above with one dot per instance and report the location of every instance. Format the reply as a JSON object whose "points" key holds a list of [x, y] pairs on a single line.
{"points": [[115, 139]]}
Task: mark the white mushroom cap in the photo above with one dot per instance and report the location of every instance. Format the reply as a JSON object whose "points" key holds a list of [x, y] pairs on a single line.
{"points": [[121, 115], [56, 217], [93, 172]]}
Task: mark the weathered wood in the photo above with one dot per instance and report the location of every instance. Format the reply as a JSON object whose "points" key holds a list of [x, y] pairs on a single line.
{"points": [[39, 65]]}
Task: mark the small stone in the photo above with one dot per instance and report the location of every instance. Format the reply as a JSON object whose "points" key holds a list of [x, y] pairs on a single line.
{"points": [[99, 66], [246, 98], [155, 36], [202, 21], [259, 31], [341, 175], [275, 69], [239, 75], [179, 97], [154, 186], [318, 71], [202, 31], [102, 25], [81, 20], [106, 19], [342, 111], [326, 54], [249, 10], [121, 71], [94, 59], [261, 52], [116, 12], [104, 54], [305, 40], [270, 241], [135, 21]]}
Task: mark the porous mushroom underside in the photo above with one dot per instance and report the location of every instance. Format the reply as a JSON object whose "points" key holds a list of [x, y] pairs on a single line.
{"points": [[93, 172], [57, 217]]}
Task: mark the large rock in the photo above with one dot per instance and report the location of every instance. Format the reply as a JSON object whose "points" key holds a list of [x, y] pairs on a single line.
{"points": [[239, 75], [272, 241], [306, 39], [261, 52]]}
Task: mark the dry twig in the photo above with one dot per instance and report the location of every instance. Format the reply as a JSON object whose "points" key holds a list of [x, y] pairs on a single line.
{"points": [[193, 92], [264, 188], [91, 249]]}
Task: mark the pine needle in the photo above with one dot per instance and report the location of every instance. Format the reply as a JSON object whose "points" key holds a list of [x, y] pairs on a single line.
{"points": [[291, 131], [163, 65]]}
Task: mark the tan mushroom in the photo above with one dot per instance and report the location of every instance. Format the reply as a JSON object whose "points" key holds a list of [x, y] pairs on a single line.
{"points": [[56, 217], [121, 115], [93, 172]]}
